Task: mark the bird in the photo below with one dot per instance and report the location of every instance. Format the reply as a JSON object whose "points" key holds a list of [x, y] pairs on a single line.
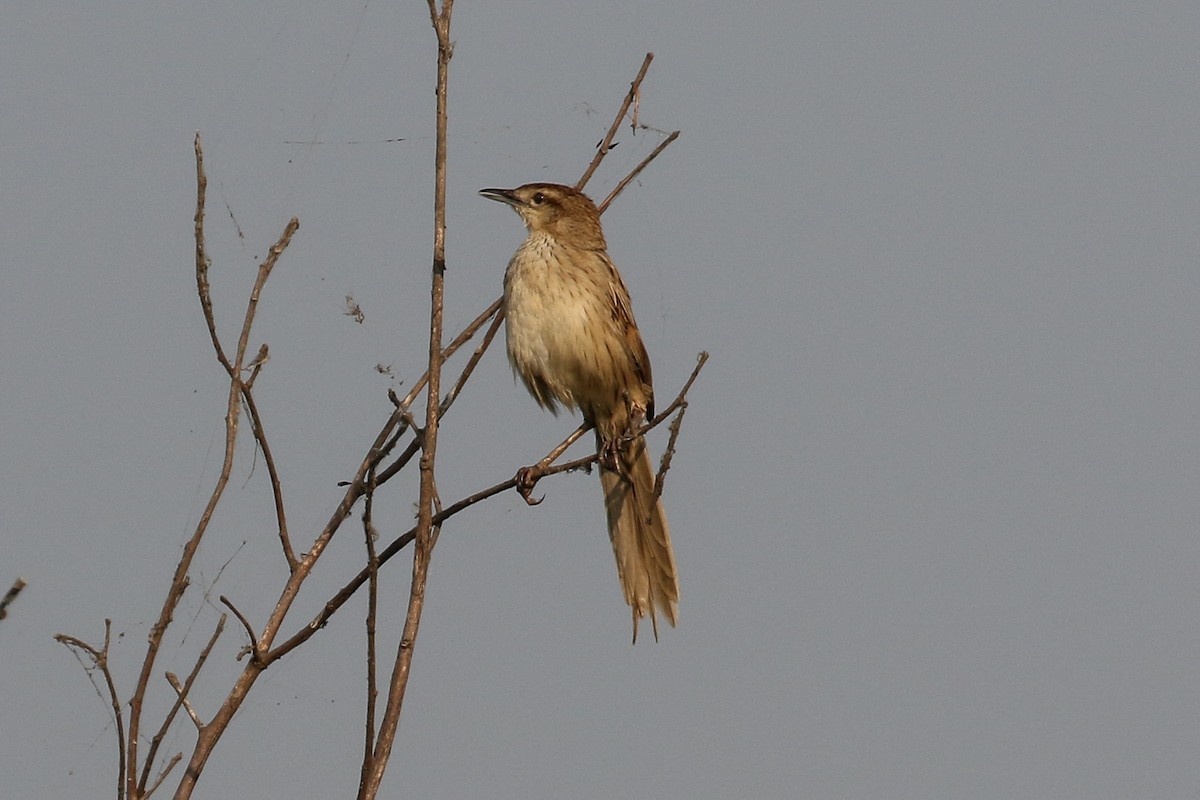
{"points": [[573, 342]]}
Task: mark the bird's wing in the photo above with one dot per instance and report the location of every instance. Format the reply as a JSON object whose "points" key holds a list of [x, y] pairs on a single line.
{"points": [[635, 348]]}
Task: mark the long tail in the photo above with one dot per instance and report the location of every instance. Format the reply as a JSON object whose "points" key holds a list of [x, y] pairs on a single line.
{"points": [[640, 538]]}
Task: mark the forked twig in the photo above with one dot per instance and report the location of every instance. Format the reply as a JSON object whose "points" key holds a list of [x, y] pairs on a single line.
{"points": [[100, 661], [414, 447], [170, 717], [606, 142]]}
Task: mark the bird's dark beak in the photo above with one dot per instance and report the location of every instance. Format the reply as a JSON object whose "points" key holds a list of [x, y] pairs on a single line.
{"points": [[507, 196]]}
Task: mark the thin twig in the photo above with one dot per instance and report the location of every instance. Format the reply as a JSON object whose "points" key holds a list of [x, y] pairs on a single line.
{"points": [[370, 534], [561, 448], [264, 272], [11, 595], [179, 581], [173, 679], [260, 436], [253, 646], [402, 405], [470, 366], [681, 398], [620, 187], [100, 660], [170, 717], [257, 363], [401, 461], [202, 262], [606, 142], [669, 453], [426, 535], [162, 776], [465, 336]]}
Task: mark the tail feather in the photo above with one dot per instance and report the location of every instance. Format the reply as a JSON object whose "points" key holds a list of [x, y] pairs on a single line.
{"points": [[641, 539]]}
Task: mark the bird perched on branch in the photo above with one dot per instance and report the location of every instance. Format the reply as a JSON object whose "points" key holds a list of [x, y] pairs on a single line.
{"points": [[573, 341]]}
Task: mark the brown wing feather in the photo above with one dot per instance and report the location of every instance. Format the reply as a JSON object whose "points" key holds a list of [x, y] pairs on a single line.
{"points": [[635, 348]]}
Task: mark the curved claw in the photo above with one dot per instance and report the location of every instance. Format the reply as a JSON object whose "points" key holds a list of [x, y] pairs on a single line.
{"points": [[527, 478], [607, 455]]}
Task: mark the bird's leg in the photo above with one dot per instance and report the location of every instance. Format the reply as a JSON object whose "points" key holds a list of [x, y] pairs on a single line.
{"points": [[637, 416], [608, 454], [610, 449], [527, 477]]}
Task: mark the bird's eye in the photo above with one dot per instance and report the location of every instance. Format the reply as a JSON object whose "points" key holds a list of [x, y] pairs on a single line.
{"points": [[539, 198]]}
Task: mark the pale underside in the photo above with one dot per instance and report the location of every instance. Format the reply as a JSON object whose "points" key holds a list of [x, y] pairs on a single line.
{"points": [[571, 339]]}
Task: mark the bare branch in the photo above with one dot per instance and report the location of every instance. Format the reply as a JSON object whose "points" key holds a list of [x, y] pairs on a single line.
{"points": [[401, 461], [426, 535], [100, 661], [370, 535], [260, 436], [183, 698], [162, 776], [256, 364], [253, 645], [620, 187], [561, 448], [465, 336], [179, 581], [402, 405], [471, 363], [264, 272], [669, 453], [170, 717], [527, 477], [202, 261], [680, 398], [605, 144]]}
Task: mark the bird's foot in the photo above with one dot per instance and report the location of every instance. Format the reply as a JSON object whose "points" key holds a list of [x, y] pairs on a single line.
{"points": [[609, 453], [527, 478]]}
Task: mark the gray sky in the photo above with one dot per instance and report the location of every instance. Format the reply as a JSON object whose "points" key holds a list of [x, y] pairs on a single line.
{"points": [[935, 505]]}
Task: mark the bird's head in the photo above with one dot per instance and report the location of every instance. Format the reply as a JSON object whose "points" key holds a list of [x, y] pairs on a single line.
{"points": [[565, 214]]}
